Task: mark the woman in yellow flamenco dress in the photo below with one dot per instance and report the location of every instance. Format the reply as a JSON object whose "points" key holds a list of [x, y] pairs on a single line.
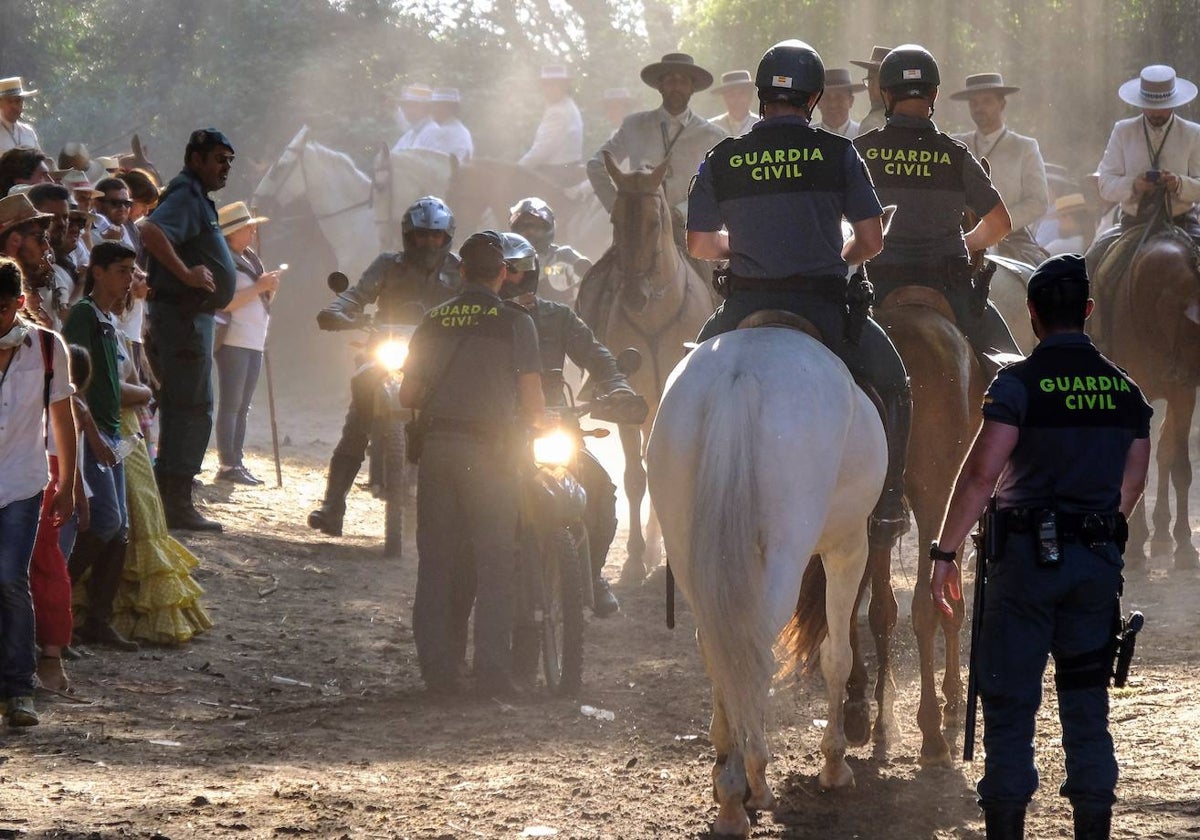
{"points": [[158, 602]]}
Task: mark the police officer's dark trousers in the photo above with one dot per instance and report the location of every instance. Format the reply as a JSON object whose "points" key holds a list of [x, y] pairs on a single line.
{"points": [[466, 519], [873, 359], [601, 514], [1030, 612], [183, 341], [351, 447]]}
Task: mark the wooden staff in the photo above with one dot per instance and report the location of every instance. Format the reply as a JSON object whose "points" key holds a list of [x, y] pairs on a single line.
{"points": [[267, 368]]}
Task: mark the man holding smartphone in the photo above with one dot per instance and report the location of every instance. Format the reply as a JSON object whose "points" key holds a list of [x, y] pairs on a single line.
{"points": [[1150, 158]]}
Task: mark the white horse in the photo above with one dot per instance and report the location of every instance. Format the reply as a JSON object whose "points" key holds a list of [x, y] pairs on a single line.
{"points": [[764, 463], [400, 179], [338, 195], [1008, 293]]}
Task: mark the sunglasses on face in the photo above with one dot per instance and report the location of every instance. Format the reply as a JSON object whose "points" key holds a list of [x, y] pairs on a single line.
{"points": [[118, 202]]}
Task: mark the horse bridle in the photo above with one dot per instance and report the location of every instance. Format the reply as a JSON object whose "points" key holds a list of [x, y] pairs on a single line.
{"points": [[632, 222]]}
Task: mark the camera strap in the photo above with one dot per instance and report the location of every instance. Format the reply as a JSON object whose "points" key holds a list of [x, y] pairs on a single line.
{"points": [[1155, 154]]}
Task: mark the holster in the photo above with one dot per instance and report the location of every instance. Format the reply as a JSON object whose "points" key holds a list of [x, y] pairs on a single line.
{"points": [[981, 286], [720, 280], [414, 437], [860, 297]]}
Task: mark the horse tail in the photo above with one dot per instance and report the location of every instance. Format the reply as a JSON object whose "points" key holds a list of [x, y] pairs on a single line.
{"points": [[727, 566], [799, 645]]}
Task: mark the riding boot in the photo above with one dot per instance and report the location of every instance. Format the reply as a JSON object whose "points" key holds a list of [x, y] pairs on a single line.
{"points": [[890, 518], [1093, 824], [180, 512], [1004, 823], [102, 592], [328, 517]]}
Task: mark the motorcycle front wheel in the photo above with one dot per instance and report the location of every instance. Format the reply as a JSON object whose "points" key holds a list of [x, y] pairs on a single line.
{"points": [[562, 618]]}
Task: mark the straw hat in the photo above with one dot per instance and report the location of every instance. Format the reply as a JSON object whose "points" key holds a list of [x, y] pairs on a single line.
{"points": [[984, 83], [838, 78], [74, 155], [555, 71], [734, 79], [77, 181], [1070, 203], [235, 216], [677, 63], [1157, 88], [15, 86], [446, 94], [878, 54], [17, 210]]}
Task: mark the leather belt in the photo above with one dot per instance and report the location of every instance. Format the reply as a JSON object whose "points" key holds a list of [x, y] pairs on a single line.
{"points": [[830, 285], [1087, 528]]}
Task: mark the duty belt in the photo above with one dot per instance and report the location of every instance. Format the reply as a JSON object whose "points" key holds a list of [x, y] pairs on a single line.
{"points": [[828, 285], [938, 274], [1085, 528]]}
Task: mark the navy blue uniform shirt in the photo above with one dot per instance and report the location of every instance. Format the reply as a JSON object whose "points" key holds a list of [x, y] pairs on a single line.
{"points": [[188, 217], [1078, 414], [781, 190]]}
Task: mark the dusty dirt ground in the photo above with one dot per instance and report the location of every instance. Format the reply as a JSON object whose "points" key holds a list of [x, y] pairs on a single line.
{"points": [[202, 741]]}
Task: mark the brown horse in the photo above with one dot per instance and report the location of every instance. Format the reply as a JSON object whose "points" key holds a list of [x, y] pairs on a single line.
{"points": [[947, 388], [658, 302], [1152, 329]]}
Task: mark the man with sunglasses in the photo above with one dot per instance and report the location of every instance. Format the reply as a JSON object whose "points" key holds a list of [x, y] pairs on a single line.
{"points": [[191, 275], [113, 209]]}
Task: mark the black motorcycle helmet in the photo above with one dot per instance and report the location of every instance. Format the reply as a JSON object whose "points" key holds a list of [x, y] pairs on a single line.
{"points": [[909, 72], [428, 213], [535, 220], [791, 72], [520, 255]]}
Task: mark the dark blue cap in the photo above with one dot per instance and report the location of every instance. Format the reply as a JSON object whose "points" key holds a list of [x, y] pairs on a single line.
{"points": [[484, 250], [203, 139], [1058, 269]]}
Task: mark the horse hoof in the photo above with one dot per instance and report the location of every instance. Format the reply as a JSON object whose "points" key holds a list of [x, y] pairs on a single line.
{"points": [[761, 802], [856, 722], [882, 732], [732, 821], [1135, 565], [632, 574], [939, 757]]}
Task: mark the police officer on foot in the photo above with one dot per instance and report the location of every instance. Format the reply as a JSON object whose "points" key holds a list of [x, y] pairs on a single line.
{"points": [[562, 334], [781, 191], [425, 272], [932, 179], [474, 373], [1067, 434]]}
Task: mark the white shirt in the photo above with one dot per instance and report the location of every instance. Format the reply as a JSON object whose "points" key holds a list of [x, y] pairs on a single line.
{"points": [[24, 471], [450, 138], [1126, 157], [410, 139], [1066, 245], [247, 323], [1017, 169], [559, 137], [20, 134], [848, 129], [726, 123]]}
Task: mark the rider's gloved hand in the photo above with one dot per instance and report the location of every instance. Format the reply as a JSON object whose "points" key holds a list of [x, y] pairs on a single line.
{"points": [[332, 320]]}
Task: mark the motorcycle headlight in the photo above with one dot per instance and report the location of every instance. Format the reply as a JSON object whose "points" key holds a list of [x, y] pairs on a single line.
{"points": [[554, 449], [390, 354]]}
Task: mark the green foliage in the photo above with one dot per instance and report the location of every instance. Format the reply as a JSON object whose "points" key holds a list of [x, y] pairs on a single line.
{"points": [[258, 69]]}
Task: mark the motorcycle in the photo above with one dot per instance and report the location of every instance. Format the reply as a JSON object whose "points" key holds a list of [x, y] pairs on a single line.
{"points": [[555, 566], [388, 476]]}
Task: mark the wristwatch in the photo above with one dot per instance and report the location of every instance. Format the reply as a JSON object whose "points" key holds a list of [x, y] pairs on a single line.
{"points": [[937, 555]]}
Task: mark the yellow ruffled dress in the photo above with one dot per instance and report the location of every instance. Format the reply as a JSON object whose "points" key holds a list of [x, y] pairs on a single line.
{"points": [[158, 602]]}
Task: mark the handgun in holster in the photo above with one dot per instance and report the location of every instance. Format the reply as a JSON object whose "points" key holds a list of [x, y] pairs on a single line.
{"points": [[981, 286], [720, 280], [860, 297], [1124, 641]]}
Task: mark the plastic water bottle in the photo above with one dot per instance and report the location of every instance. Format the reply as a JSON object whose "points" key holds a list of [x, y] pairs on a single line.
{"points": [[127, 445]]}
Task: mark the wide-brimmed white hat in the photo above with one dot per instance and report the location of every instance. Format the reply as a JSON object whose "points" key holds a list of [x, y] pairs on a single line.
{"points": [[733, 79], [15, 86], [446, 94], [77, 181], [1070, 203], [984, 83], [555, 71], [416, 93], [1157, 88], [235, 216]]}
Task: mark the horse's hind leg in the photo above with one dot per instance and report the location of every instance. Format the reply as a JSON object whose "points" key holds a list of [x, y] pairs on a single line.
{"points": [[730, 786], [934, 748], [882, 614], [1181, 406], [1160, 540], [856, 714], [634, 570], [844, 569]]}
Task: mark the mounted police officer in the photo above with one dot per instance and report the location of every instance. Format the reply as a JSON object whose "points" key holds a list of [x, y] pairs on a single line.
{"points": [[932, 179], [562, 334], [781, 191], [1069, 433], [561, 266], [426, 272], [474, 372]]}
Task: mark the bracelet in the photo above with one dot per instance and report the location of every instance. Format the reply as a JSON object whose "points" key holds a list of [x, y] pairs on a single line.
{"points": [[937, 555]]}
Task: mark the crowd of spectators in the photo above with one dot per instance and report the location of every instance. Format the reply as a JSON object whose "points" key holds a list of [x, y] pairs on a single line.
{"points": [[111, 288]]}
